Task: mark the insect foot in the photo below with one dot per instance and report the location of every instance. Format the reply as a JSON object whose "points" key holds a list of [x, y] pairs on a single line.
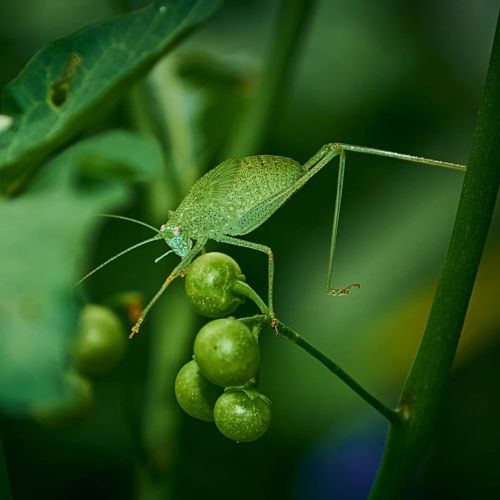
{"points": [[135, 329], [341, 292]]}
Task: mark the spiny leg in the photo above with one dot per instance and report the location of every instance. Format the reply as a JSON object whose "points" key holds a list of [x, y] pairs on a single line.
{"points": [[327, 153], [403, 157], [338, 292], [322, 158], [260, 248], [171, 277], [342, 148], [328, 150]]}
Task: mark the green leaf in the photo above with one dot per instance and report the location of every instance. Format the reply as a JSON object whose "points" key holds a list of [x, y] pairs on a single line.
{"points": [[44, 237], [115, 153], [73, 79]]}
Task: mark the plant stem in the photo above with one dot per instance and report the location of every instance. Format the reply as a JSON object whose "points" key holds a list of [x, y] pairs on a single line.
{"points": [[5, 493], [393, 416], [245, 290], [291, 24], [424, 390]]}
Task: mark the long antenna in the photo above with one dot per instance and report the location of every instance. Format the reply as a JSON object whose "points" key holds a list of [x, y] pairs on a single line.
{"points": [[112, 216], [155, 238]]}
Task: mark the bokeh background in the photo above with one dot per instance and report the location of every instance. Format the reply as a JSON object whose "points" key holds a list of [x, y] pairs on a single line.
{"points": [[401, 76]]}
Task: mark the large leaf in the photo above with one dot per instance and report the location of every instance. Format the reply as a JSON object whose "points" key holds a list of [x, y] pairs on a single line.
{"points": [[74, 78], [43, 237]]}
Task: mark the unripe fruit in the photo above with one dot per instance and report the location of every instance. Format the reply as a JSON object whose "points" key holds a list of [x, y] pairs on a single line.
{"points": [[72, 409], [194, 393], [210, 284], [227, 352], [100, 342], [242, 415]]}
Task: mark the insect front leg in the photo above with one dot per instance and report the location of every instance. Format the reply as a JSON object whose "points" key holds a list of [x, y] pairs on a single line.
{"points": [[260, 248], [171, 277]]}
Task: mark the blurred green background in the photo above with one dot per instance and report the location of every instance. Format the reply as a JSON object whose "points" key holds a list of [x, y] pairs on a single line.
{"points": [[400, 76]]}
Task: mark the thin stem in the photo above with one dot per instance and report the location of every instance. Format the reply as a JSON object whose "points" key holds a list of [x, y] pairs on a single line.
{"points": [[291, 24], [245, 290], [5, 493], [393, 416], [425, 388]]}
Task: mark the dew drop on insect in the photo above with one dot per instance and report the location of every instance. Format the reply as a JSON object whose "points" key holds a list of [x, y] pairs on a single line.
{"points": [[5, 122], [163, 9]]}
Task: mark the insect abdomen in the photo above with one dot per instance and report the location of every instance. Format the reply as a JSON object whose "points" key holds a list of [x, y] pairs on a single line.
{"points": [[257, 186]]}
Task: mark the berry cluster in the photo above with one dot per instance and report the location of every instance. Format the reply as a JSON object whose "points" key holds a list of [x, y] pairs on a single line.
{"points": [[98, 346], [219, 384]]}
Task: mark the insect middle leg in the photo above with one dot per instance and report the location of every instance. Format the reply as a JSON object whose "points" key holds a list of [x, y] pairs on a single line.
{"points": [[260, 248]]}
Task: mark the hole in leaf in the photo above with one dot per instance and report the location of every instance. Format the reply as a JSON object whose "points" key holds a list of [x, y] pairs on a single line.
{"points": [[59, 90], [58, 93]]}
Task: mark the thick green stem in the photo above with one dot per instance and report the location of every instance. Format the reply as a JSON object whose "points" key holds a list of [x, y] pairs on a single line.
{"points": [[291, 24], [5, 493], [391, 415], [424, 390]]}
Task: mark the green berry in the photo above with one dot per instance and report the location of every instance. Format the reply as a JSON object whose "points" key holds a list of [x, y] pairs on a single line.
{"points": [[242, 415], [209, 284], [194, 393], [71, 409], [100, 342], [227, 352]]}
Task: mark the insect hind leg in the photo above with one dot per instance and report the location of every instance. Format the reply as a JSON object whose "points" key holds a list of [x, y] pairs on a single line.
{"points": [[321, 158], [337, 292]]}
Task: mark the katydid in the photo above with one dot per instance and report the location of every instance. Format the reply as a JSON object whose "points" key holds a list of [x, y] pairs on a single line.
{"points": [[239, 195]]}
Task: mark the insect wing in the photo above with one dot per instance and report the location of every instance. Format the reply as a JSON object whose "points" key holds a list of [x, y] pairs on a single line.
{"points": [[215, 185]]}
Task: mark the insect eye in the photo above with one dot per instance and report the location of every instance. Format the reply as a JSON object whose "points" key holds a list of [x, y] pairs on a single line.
{"points": [[176, 230], [162, 228]]}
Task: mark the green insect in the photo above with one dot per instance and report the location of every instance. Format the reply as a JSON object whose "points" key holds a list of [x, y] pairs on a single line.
{"points": [[240, 194]]}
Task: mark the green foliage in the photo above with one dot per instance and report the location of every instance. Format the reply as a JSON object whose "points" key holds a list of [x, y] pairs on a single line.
{"points": [[204, 103], [38, 304], [63, 87], [74, 79]]}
